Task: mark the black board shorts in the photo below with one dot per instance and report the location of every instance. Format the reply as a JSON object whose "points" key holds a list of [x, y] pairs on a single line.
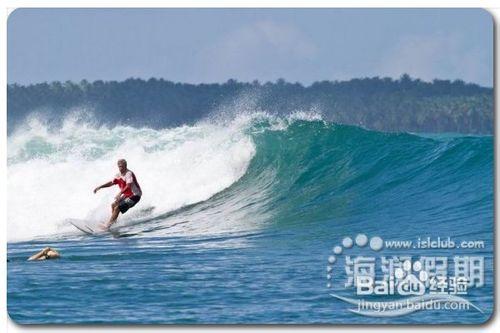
{"points": [[125, 203]]}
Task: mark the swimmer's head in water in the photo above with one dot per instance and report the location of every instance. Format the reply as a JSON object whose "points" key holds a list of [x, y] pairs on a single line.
{"points": [[46, 253], [52, 254]]}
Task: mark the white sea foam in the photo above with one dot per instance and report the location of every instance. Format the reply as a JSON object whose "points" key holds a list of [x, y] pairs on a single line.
{"points": [[51, 173]]}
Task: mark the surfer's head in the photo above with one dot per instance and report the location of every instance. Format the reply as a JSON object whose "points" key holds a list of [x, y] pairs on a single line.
{"points": [[122, 165]]}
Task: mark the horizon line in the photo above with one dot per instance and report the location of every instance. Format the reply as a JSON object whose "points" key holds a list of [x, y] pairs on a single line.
{"points": [[253, 82]]}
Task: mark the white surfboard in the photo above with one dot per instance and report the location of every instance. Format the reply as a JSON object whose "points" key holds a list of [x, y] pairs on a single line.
{"points": [[90, 228], [84, 226]]}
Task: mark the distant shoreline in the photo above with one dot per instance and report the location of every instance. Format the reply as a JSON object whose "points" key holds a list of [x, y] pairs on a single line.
{"points": [[403, 105]]}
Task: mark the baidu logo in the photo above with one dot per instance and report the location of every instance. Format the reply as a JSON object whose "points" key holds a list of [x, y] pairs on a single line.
{"points": [[422, 283]]}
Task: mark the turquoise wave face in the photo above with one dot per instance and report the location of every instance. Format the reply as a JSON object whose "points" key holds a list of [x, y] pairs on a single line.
{"points": [[316, 171]]}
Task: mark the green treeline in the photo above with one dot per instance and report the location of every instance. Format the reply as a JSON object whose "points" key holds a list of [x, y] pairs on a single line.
{"points": [[383, 104]]}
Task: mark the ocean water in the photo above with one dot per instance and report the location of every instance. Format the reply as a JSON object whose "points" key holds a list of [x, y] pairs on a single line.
{"points": [[238, 219]]}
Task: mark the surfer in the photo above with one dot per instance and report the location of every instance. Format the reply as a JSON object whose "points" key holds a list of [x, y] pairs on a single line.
{"points": [[129, 195], [45, 254]]}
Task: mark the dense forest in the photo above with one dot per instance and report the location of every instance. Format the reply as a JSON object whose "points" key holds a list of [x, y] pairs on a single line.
{"points": [[385, 104]]}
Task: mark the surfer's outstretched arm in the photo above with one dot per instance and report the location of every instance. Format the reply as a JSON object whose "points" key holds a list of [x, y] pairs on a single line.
{"points": [[108, 184]]}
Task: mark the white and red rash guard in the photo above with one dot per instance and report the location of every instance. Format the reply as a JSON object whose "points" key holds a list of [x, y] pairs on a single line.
{"points": [[128, 178]]}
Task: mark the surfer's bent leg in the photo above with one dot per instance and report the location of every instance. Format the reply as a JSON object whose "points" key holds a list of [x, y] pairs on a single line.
{"points": [[113, 206], [115, 210], [114, 215], [121, 206]]}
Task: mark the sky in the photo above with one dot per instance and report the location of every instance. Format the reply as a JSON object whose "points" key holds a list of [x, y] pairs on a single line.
{"points": [[214, 45]]}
